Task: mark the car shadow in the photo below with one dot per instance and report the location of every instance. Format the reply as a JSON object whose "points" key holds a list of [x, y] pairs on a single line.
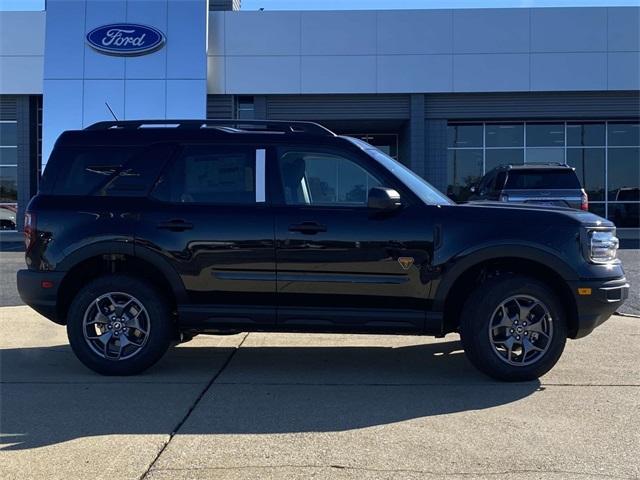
{"points": [[262, 390]]}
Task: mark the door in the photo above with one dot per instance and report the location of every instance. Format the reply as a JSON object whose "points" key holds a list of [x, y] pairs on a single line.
{"points": [[208, 217], [339, 264]]}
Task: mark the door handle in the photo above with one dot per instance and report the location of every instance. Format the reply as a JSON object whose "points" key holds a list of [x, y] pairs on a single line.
{"points": [[176, 225], [308, 228]]}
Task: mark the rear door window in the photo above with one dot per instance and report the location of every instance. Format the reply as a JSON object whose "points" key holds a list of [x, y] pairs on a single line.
{"points": [[211, 174], [541, 179]]}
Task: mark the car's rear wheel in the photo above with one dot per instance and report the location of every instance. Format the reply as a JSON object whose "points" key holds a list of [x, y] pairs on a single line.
{"points": [[513, 328], [119, 325]]}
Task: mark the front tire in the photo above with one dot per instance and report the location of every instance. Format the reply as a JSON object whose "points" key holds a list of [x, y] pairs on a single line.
{"points": [[119, 325], [513, 328]]}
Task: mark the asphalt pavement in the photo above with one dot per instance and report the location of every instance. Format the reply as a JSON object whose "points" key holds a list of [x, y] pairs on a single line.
{"points": [[323, 406]]}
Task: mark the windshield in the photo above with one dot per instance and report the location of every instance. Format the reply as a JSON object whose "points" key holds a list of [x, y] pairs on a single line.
{"points": [[418, 185]]}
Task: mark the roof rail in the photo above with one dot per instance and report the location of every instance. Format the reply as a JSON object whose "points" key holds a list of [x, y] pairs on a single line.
{"points": [[229, 126]]}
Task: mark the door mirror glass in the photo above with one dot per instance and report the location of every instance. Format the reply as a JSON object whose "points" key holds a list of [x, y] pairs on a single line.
{"points": [[384, 199]]}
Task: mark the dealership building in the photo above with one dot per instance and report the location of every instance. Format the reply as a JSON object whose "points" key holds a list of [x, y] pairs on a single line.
{"points": [[451, 93]]}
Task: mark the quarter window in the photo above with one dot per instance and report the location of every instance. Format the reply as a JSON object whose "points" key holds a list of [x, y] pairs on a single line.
{"points": [[210, 174], [320, 178]]}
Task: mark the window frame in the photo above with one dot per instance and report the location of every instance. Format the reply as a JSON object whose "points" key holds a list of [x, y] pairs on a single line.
{"points": [[261, 184]]}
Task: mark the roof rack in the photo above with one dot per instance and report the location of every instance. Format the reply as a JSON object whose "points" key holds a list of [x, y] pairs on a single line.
{"points": [[228, 126]]}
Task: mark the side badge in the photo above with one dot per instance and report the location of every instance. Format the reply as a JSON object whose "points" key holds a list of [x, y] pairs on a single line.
{"points": [[405, 262]]}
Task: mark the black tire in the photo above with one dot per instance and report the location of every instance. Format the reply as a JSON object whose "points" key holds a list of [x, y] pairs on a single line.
{"points": [[161, 328], [478, 313]]}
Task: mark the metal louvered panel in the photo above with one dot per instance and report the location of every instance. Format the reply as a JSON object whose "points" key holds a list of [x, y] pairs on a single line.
{"points": [[533, 105], [219, 106], [337, 107], [8, 107]]}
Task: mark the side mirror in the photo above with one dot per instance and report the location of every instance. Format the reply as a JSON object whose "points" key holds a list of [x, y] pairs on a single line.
{"points": [[384, 199]]}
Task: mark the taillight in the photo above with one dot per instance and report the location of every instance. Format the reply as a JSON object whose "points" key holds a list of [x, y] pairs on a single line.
{"points": [[584, 204], [29, 230]]}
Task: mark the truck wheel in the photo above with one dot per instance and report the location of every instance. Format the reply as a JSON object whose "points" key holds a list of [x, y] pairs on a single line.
{"points": [[119, 325], [513, 328]]}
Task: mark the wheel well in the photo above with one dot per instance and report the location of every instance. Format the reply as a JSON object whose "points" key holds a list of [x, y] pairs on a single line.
{"points": [[95, 267], [477, 274]]}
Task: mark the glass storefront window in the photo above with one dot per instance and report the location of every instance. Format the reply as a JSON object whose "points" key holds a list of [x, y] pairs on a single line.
{"points": [[605, 154], [545, 155], [585, 134], [625, 215], [545, 135], [589, 164], [503, 156], [464, 169], [623, 172], [623, 134], [599, 209], [504, 135], [465, 135], [8, 174]]}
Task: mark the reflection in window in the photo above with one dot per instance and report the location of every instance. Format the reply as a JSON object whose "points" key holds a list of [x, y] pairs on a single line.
{"points": [[589, 165], [545, 135], [464, 169], [545, 155], [583, 145], [585, 134], [317, 178], [624, 134], [464, 135], [625, 215], [503, 156], [507, 135], [214, 175], [624, 171], [8, 174]]}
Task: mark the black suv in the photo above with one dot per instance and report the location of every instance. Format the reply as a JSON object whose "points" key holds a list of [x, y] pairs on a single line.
{"points": [[546, 184], [147, 233]]}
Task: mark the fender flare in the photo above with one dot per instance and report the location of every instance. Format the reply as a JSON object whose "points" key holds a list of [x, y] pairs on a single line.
{"points": [[114, 247], [474, 256]]}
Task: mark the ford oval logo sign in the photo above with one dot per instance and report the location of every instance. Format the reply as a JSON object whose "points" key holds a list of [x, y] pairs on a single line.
{"points": [[126, 39]]}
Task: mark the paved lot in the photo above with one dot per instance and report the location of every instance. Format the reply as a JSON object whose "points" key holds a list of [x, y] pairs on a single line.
{"points": [[324, 406]]}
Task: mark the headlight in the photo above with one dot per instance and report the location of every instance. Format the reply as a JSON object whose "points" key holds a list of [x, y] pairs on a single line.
{"points": [[603, 245]]}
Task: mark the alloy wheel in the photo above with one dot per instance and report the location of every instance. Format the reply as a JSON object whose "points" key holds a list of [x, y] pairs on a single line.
{"points": [[520, 330], [116, 326]]}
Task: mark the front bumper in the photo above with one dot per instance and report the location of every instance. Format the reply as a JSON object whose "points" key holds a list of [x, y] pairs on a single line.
{"points": [[593, 309], [42, 300]]}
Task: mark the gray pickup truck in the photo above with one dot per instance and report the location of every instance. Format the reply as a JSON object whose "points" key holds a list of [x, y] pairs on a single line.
{"points": [[546, 184]]}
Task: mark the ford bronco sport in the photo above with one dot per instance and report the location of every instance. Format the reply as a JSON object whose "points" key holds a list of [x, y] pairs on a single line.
{"points": [[144, 233]]}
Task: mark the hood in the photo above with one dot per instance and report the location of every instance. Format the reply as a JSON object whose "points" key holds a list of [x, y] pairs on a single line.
{"points": [[530, 210]]}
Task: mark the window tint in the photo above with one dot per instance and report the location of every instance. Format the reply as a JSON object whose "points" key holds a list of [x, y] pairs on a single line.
{"points": [[319, 178], [540, 179], [84, 170], [210, 174]]}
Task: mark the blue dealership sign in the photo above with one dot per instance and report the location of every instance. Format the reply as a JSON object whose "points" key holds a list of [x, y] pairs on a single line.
{"points": [[126, 39]]}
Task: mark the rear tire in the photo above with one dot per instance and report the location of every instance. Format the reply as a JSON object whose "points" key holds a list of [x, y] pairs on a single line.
{"points": [[513, 328], [119, 325]]}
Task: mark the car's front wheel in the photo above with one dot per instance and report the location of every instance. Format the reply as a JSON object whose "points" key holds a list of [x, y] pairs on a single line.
{"points": [[513, 328], [119, 325]]}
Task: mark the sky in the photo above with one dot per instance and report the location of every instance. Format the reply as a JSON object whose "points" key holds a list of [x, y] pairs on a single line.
{"points": [[373, 4]]}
